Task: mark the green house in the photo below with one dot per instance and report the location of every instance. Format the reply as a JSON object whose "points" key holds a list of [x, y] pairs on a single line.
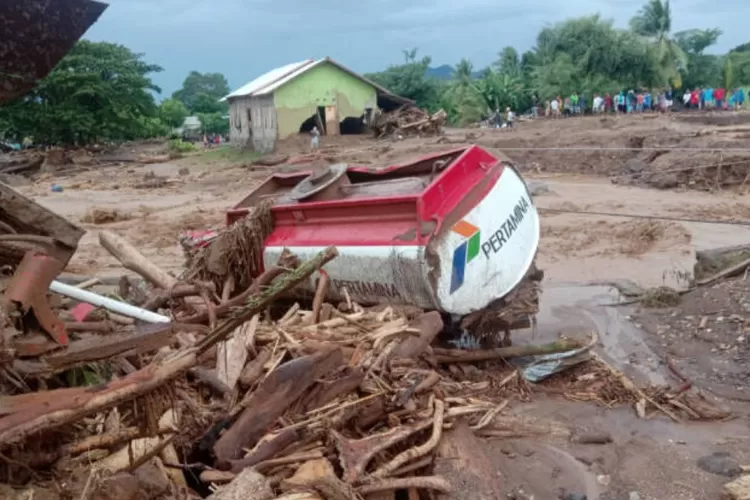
{"points": [[292, 99]]}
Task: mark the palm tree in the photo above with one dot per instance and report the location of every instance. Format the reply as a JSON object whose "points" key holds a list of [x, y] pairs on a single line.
{"points": [[464, 94], [654, 21]]}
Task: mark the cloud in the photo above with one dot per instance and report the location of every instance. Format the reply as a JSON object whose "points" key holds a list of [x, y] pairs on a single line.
{"points": [[244, 38]]}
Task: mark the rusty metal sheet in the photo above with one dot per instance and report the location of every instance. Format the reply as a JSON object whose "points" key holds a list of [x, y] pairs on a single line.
{"points": [[35, 35]]}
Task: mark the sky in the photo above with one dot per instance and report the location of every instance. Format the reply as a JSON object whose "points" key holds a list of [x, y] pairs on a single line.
{"points": [[245, 38]]}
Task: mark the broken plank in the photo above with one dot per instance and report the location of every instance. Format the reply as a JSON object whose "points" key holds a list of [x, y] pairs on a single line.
{"points": [[279, 391]]}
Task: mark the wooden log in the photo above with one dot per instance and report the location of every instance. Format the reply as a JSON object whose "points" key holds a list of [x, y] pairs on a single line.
{"points": [[266, 449], [101, 441], [325, 391], [429, 325], [294, 458], [181, 290], [134, 260], [282, 387], [254, 369], [462, 460], [248, 485], [98, 348], [463, 356], [417, 451], [320, 295], [211, 380], [33, 413], [435, 483], [311, 346]]}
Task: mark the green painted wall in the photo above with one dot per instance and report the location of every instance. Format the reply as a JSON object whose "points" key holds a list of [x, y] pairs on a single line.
{"points": [[324, 85]]}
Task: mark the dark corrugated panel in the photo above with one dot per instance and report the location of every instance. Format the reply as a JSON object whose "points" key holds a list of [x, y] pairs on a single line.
{"points": [[35, 35]]}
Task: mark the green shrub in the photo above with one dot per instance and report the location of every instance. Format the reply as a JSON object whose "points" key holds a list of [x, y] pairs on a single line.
{"points": [[180, 146]]}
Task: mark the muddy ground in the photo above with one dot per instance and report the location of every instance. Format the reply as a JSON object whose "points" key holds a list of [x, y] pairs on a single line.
{"points": [[590, 239]]}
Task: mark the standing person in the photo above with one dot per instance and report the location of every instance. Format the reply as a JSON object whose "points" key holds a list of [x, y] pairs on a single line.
{"points": [[547, 110], [497, 118], [567, 106], [740, 98], [686, 98], [669, 98], [647, 101], [315, 140], [639, 102], [719, 97], [598, 104], [534, 106], [574, 103], [509, 117], [630, 101], [607, 103], [555, 107], [582, 102], [695, 99]]}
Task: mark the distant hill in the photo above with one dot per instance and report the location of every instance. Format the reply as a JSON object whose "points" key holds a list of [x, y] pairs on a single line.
{"points": [[445, 72]]}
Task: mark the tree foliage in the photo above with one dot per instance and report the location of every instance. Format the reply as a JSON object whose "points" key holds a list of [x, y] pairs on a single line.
{"points": [[654, 22], [408, 80], [104, 92], [99, 92], [586, 55], [702, 68], [214, 123], [202, 92], [173, 112]]}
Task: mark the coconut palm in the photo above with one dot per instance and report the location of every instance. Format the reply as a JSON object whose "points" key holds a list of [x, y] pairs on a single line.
{"points": [[464, 93], [654, 21]]}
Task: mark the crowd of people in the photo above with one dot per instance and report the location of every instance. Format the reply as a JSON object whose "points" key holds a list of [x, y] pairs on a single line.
{"points": [[710, 98], [631, 101]]}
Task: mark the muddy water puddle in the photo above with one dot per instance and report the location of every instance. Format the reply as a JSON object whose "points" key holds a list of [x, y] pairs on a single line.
{"points": [[577, 311], [654, 457]]}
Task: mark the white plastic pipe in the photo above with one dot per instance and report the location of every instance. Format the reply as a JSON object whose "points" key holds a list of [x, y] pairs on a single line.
{"points": [[107, 303]]}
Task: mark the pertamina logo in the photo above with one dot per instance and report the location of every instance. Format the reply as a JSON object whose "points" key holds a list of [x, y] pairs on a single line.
{"points": [[465, 253]]}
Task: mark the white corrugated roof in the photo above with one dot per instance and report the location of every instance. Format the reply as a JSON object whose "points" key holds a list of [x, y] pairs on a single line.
{"points": [[260, 84], [191, 121], [269, 82]]}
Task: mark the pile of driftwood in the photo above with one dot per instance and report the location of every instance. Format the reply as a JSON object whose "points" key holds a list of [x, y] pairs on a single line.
{"points": [[236, 392], [409, 120], [33, 161]]}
